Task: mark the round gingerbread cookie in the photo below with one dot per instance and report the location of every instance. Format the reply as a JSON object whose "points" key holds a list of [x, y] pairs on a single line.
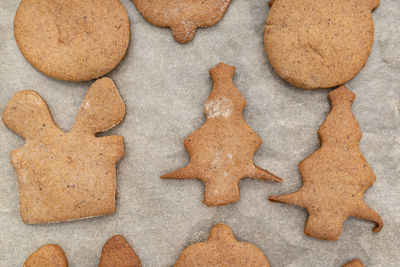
{"points": [[316, 44], [72, 40]]}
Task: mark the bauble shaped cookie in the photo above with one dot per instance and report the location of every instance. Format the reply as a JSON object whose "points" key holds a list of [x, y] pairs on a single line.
{"points": [[182, 16], [222, 250]]}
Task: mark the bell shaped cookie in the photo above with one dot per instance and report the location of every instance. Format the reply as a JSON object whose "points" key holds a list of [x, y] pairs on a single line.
{"points": [[336, 176], [117, 252], [316, 44], [66, 175], [49, 255], [182, 16], [222, 250], [72, 40], [221, 151]]}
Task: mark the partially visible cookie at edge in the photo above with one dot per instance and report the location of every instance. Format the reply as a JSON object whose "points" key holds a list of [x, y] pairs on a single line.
{"points": [[319, 44], [49, 255], [117, 252], [222, 250], [72, 40], [183, 17], [354, 263]]}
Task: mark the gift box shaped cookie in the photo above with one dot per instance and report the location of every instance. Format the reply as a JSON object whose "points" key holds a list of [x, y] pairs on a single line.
{"points": [[66, 175]]}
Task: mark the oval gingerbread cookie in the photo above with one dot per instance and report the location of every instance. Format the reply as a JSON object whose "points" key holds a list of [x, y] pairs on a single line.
{"points": [[72, 40], [117, 252], [316, 44], [182, 16]]}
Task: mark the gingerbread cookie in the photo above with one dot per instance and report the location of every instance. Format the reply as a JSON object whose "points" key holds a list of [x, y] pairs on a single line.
{"points": [[354, 263], [336, 176], [72, 40], [221, 150], [316, 44], [182, 16], [66, 175], [47, 256], [117, 252], [222, 250]]}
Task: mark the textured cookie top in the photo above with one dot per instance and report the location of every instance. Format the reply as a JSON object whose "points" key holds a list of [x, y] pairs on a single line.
{"points": [[316, 44], [117, 252], [66, 175], [182, 16], [222, 250], [72, 40], [221, 151], [336, 176], [47, 256], [354, 263]]}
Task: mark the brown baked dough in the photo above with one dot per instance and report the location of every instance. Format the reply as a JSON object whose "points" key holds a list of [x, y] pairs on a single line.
{"points": [[117, 253], [72, 40], [66, 175], [316, 44], [221, 151], [182, 16], [336, 176], [49, 255], [222, 250], [354, 263]]}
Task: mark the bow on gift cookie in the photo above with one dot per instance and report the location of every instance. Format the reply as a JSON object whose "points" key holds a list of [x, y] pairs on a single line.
{"points": [[116, 252]]}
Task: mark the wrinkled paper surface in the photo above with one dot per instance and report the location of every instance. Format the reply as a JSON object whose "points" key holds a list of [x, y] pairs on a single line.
{"points": [[164, 86]]}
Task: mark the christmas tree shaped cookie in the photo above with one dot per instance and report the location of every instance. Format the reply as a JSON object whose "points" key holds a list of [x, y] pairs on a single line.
{"points": [[47, 256], [222, 250], [117, 252], [336, 176], [182, 16], [66, 175], [316, 44], [221, 150]]}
